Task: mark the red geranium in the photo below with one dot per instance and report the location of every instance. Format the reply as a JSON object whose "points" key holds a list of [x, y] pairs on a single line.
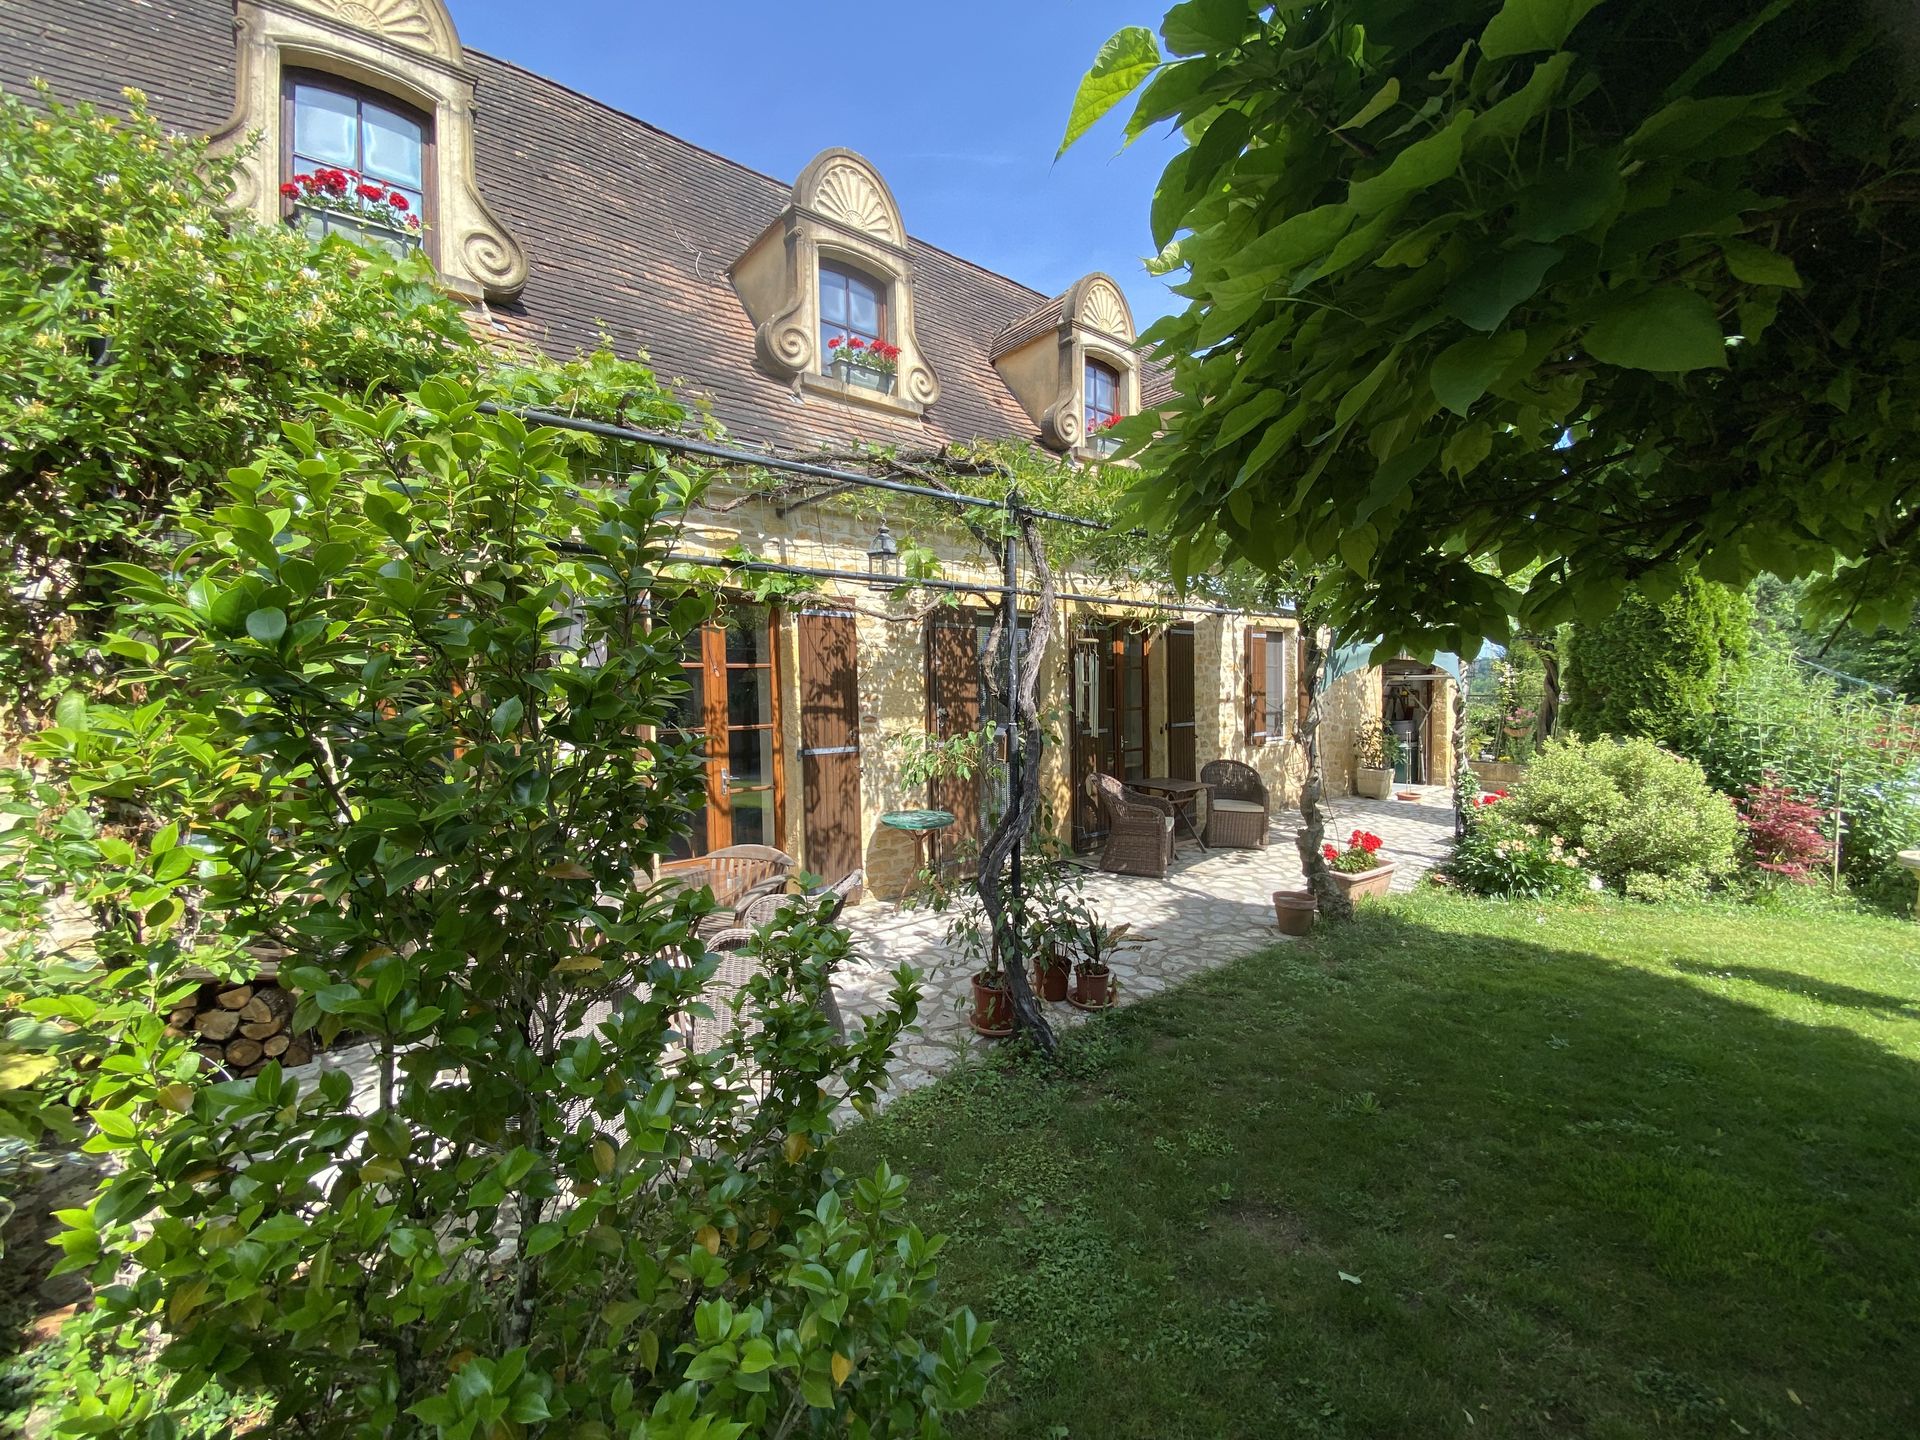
{"points": [[834, 343]]}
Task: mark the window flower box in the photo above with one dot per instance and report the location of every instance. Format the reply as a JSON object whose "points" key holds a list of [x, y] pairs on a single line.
{"points": [[341, 202], [861, 364], [1101, 440]]}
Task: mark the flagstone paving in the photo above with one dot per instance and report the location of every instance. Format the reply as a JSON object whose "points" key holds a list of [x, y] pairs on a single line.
{"points": [[1213, 907]]}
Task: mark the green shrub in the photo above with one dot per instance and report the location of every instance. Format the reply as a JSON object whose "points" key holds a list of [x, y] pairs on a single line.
{"points": [[1649, 822], [1656, 666], [1503, 857], [390, 712], [1841, 746]]}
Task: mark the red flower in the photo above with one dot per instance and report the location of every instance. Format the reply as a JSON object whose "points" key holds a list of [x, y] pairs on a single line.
{"points": [[1329, 852], [370, 192], [290, 190], [834, 343], [856, 343], [398, 201]]}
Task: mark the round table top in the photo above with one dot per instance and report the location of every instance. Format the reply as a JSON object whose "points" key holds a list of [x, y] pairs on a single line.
{"points": [[1910, 859], [917, 819]]}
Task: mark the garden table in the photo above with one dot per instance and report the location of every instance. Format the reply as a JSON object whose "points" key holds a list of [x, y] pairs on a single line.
{"points": [[1184, 796], [923, 825]]}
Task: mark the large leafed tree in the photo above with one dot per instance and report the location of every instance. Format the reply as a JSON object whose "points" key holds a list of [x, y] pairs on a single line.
{"points": [[1495, 308]]}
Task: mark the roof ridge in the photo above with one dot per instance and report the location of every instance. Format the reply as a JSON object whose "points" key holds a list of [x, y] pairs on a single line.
{"points": [[740, 165]]}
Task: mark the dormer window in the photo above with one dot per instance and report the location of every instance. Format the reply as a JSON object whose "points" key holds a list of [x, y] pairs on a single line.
{"points": [[356, 163], [1100, 397], [852, 307]]}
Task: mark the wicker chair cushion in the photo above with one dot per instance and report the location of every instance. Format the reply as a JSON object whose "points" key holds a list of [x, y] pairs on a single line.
{"points": [[1239, 807]]}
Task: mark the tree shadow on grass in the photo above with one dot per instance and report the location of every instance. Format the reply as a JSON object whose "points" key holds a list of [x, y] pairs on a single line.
{"points": [[1581, 1198], [1789, 982]]}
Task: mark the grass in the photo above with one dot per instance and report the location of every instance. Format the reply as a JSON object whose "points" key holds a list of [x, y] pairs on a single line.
{"points": [[1460, 1169]]}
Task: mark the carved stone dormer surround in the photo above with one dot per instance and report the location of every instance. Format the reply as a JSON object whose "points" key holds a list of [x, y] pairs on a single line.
{"points": [[408, 49], [842, 212], [1043, 357]]}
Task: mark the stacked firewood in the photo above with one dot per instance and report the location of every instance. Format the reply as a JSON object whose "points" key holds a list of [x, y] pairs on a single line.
{"points": [[241, 1027]]}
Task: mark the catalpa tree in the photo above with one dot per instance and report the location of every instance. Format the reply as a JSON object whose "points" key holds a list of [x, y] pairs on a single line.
{"points": [[1495, 308]]}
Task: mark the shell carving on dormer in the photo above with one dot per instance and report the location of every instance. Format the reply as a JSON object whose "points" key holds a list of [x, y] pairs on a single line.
{"points": [[846, 196], [1102, 309]]}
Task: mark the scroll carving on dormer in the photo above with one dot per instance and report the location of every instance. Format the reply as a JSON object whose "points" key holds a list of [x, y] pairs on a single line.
{"points": [[408, 49], [840, 211]]}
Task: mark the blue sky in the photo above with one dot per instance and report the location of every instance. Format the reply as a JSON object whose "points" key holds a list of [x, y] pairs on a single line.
{"points": [[965, 135]]}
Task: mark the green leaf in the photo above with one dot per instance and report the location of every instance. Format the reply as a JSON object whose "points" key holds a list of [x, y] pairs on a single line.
{"points": [[1758, 265], [1421, 165], [1485, 295], [1463, 371], [1514, 114], [1199, 26], [1469, 445], [506, 715], [1523, 26], [268, 625], [1572, 200], [1374, 108], [71, 711], [1288, 244], [1667, 329], [1123, 62], [1356, 397]]}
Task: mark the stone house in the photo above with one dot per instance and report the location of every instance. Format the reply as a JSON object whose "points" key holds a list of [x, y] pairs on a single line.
{"points": [[749, 294]]}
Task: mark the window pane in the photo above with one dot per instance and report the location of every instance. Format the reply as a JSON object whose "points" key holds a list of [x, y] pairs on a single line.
{"points": [[685, 847], [747, 635], [393, 146], [753, 817], [833, 298], [750, 756], [324, 125], [750, 696], [692, 712], [863, 309]]}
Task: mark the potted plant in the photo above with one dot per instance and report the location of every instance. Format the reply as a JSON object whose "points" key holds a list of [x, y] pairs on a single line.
{"points": [[1094, 985], [1294, 911], [1358, 870], [1103, 441], [1377, 751], [863, 364], [970, 934], [1052, 919], [344, 202]]}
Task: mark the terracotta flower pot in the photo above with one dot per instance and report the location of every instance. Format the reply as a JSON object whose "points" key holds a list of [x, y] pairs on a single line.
{"points": [[1095, 988], [1051, 973], [1293, 911], [992, 1004], [1360, 884], [1412, 797]]}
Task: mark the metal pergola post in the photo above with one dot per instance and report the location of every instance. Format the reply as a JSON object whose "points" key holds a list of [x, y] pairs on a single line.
{"points": [[1010, 576]]}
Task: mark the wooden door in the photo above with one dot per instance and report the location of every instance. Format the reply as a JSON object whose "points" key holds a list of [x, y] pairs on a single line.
{"points": [[829, 743], [732, 714], [1182, 755], [955, 702]]}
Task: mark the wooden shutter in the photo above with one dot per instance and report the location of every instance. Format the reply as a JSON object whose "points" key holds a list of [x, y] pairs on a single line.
{"points": [[1181, 756], [954, 707], [830, 743], [1256, 685]]}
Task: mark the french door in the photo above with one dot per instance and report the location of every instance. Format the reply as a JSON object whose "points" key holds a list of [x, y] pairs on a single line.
{"points": [[1182, 752], [732, 711], [1109, 704]]}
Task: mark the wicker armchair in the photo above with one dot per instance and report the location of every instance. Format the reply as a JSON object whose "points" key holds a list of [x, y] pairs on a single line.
{"points": [[1237, 811], [1139, 829], [738, 964], [739, 874]]}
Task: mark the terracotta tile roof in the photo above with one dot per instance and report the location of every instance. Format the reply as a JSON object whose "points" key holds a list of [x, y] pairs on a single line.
{"points": [[629, 230]]}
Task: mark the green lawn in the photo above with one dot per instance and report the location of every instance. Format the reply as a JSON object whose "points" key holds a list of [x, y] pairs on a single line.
{"points": [[1459, 1169]]}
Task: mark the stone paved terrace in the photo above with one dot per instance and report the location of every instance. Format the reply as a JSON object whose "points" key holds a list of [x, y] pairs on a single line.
{"points": [[1214, 906]]}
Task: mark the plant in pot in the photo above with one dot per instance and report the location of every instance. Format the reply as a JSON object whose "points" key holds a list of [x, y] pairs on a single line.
{"points": [[969, 932], [1359, 870], [1376, 753], [1094, 985], [1051, 922], [864, 364], [344, 202]]}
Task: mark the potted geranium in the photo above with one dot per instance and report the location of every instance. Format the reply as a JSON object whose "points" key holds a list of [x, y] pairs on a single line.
{"points": [[864, 364], [1376, 752], [1103, 441], [344, 202], [1359, 869]]}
